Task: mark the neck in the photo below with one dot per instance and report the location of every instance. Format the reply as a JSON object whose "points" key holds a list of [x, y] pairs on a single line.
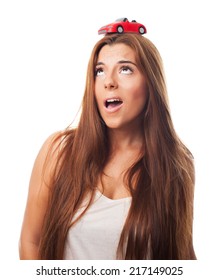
{"points": [[122, 139]]}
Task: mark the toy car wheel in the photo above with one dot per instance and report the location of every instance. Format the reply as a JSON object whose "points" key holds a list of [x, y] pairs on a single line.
{"points": [[119, 29], [141, 30]]}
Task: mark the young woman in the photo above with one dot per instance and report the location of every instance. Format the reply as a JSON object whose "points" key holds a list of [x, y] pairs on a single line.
{"points": [[120, 185]]}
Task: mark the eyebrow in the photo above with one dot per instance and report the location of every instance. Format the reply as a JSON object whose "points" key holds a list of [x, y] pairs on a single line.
{"points": [[119, 62]]}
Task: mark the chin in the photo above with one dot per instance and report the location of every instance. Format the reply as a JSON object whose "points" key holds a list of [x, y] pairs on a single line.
{"points": [[117, 125], [113, 125], [124, 125]]}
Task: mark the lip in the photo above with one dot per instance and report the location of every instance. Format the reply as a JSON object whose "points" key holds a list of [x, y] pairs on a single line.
{"points": [[113, 109]]}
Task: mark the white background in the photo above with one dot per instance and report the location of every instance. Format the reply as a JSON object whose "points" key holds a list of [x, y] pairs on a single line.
{"points": [[44, 51]]}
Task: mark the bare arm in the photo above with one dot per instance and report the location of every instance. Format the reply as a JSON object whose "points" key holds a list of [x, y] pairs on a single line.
{"points": [[36, 205]]}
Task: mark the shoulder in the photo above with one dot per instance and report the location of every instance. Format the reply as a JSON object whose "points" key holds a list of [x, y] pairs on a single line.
{"points": [[47, 158], [55, 143], [48, 149], [54, 150]]}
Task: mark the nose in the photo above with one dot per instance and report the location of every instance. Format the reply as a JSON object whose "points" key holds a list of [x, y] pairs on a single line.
{"points": [[110, 82], [109, 86]]}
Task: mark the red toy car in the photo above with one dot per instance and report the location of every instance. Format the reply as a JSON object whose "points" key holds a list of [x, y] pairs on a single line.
{"points": [[123, 25]]}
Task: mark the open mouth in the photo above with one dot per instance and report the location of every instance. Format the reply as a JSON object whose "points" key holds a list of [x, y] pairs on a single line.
{"points": [[113, 103]]}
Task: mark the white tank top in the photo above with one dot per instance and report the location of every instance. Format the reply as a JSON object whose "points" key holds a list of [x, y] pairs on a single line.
{"points": [[96, 235]]}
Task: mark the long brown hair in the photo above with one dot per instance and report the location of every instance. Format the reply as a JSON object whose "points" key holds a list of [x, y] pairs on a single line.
{"points": [[159, 223]]}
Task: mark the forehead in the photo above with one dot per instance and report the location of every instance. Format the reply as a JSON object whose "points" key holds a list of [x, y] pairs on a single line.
{"points": [[114, 52]]}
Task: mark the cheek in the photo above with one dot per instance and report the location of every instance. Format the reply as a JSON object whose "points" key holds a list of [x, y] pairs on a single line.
{"points": [[139, 93]]}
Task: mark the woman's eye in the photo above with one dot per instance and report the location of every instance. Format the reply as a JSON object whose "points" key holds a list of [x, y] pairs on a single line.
{"points": [[126, 70], [99, 72]]}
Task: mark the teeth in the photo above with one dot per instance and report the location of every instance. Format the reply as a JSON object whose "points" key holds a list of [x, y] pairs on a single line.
{"points": [[113, 100]]}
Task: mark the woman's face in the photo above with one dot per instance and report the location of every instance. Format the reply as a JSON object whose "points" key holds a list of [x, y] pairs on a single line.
{"points": [[120, 88]]}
